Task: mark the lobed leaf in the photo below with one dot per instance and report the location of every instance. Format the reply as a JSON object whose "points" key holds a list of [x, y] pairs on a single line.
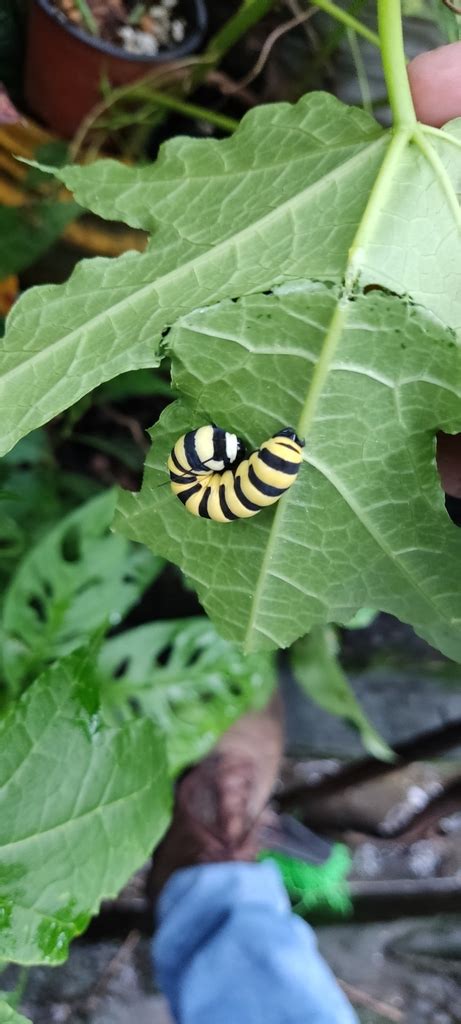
{"points": [[77, 579], [287, 196], [81, 807], [185, 677], [368, 382]]}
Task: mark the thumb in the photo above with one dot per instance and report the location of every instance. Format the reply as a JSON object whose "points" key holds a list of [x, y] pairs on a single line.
{"points": [[435, 82]]}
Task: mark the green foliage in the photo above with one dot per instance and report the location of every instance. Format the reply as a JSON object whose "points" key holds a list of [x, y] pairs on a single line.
{"points": [[446, 20], [300, 194], [78, 812], [79, 578], [28, 231], [30, 483], [187, 678], [365, 522], [290, 178], [9, 1016], [317, 670]]}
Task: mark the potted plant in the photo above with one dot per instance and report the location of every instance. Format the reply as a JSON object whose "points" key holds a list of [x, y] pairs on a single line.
{"points": [[75, 45]]}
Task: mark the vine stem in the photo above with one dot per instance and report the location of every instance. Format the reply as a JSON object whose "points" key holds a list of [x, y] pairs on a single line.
{"points": [[348, 20], [394, 64]]}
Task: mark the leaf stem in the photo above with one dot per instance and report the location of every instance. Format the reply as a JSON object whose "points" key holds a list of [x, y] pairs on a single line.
{"points": [[348, 19], [376, 203], [439, 133], [360, 70], [441, 174], [192, 110], [394, 63], [87, 17]]}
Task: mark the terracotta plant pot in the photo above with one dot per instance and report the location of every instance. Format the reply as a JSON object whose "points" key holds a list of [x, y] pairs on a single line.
{"points": [[65, 66]]}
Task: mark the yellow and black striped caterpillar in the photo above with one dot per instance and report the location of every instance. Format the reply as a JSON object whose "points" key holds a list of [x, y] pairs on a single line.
{"points": [[211, 475]]}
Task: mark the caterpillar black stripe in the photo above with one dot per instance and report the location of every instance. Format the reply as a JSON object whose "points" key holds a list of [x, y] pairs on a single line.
{"points": [[211, 475]]}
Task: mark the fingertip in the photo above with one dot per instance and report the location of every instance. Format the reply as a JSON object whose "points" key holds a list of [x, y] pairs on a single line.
{"points": [[435, 82]]}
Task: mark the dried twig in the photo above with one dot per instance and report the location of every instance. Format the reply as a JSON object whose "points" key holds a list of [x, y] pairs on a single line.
{"points": [[227, 85], [309, 30], [281, 30], [360, 998], [130, 423]]}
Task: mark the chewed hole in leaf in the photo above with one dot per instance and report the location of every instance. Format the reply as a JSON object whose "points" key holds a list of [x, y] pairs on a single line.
{"points": [[135, 706], [121, 669], [164, 656], [453, 507], [71, 545], [194, 657], [448, 455], [38, 606]]}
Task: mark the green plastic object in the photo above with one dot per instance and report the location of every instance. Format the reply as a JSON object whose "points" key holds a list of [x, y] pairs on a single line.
{"points": [[319, 887]]}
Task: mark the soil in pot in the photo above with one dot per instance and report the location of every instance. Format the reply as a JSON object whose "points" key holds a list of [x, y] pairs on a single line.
{"points": [[138, 27]]}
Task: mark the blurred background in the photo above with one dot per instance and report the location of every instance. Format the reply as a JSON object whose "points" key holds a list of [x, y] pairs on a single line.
{"points": [[80, 79]]}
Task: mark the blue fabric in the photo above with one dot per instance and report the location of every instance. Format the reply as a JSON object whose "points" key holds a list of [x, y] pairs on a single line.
{"points": [[228, 950]]}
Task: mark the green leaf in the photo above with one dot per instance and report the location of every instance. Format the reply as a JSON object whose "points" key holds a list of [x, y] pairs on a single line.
{"points": [[81, 807], [28, 231], [9, 1016], [435, 10], [367, 382], [317, 670], [362, 619], [314, 190], [188, 679], [77, 579], [29, 481]]}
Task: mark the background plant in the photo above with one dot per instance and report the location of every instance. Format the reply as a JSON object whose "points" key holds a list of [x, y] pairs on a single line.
{"points": [[294, 300]]}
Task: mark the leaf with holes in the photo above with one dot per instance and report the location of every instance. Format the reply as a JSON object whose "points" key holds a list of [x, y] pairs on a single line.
{"points": [[76, 580], [188, 679], [10, 1016], [317, 670], [316, 190], [78, 812], [367, 382], [29, 481]]}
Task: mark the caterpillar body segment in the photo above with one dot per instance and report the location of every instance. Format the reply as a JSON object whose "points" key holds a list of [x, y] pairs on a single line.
{"points": [[212, 477]]}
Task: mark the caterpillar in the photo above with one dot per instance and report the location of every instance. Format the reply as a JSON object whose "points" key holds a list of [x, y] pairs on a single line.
{"points": [[212, 476]]}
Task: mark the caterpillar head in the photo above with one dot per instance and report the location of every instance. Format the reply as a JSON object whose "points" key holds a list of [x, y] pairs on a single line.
{"points": [[291, 434], [211, 449]]}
